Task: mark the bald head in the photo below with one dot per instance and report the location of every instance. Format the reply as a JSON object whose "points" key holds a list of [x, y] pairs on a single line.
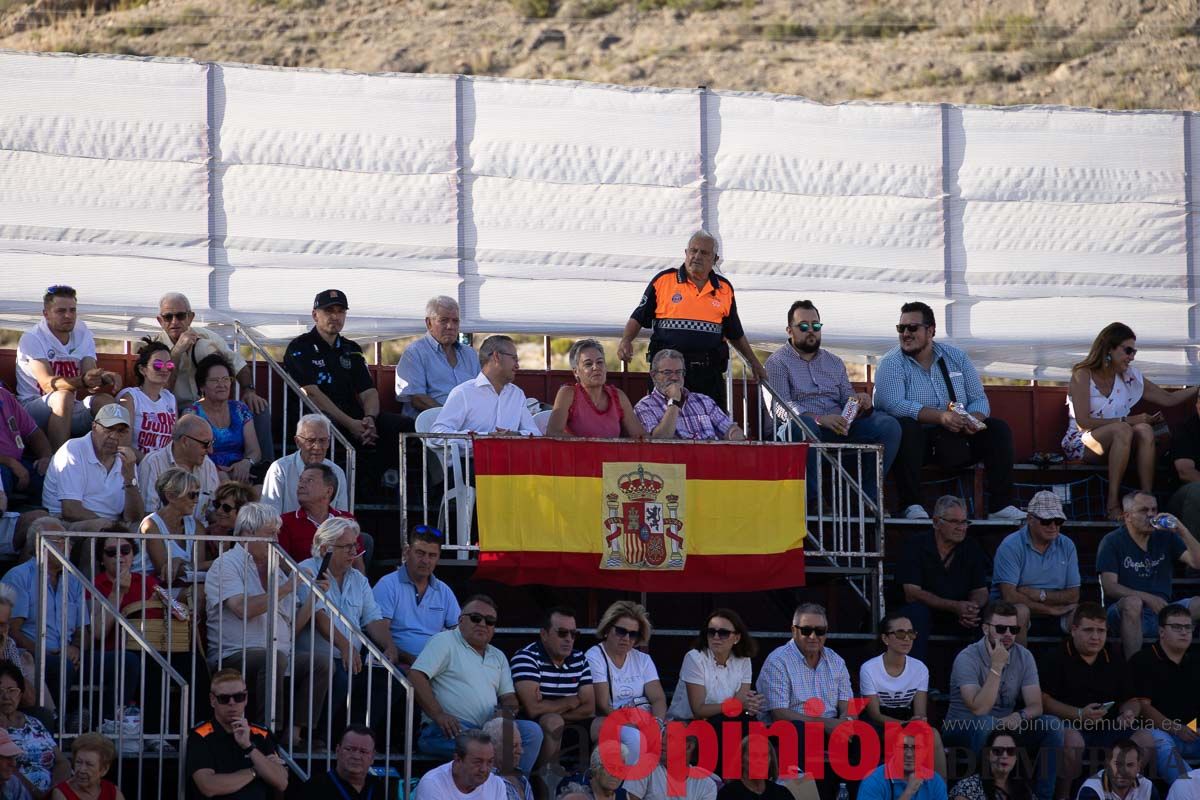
{"points": [[191, 441]]}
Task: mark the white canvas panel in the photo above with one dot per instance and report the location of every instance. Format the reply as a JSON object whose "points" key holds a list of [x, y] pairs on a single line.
{"points": [[102, 282], [398, 297], [849, 317], [1051, 319], [581, 133], [578, 307], [336, 121], [115, 108], [773, 143]]}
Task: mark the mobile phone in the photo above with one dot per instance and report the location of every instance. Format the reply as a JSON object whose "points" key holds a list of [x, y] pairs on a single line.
{"points": [[324, 565], [1107, 706]]}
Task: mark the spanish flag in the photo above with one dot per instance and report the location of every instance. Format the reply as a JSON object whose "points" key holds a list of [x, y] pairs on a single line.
{"points": [[637, 516]]}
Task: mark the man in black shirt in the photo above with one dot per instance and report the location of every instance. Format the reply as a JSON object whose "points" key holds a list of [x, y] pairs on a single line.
{"points": [[944, 577], [1185, 450], [1165, 676], [350, 778], [228, 757]]}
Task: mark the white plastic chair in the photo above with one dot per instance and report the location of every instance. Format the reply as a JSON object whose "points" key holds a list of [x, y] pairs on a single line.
{"points": [[542, 420], [461, 493]]}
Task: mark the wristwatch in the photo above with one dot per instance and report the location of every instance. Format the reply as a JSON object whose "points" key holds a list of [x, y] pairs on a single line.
{"points": [[671, 401], [1042, 596]]}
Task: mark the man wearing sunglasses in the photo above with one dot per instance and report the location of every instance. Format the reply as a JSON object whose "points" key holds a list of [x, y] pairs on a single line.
{"points": [[461, 681], [988, 679], [191, 442], [57, 360], [814, 384], [916, 382], [229, 756], [1037, 570], [553, 681]]}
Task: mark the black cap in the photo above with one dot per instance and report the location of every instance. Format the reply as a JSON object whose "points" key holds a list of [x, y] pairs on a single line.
{"points": [[330, 297]]}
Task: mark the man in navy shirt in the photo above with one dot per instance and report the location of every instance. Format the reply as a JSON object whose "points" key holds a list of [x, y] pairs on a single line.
{"points": [[1136, 562]]}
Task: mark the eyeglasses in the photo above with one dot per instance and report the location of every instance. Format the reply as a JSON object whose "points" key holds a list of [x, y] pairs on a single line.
{"points": [[193, 495], [957, 523], [229, 699], [903, 633], [224, 380], [350, 548], [625, 633], [428, 530], [513, 356], [719, 633], [672, 373], [566, 633], [811, 630], [311, 440], [125, 549], [1056, 522], [161, 365], [1130, 351], [911, 327], [60, 288], [1178, 627], [207, 445], [481, 618], [226, 507], [1002, 629], [172, 316], [803, 327], [1002, 751], [11, 691]]}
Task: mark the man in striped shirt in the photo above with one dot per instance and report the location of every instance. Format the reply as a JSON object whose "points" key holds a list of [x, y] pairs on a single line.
{"points": [[553, 682]]}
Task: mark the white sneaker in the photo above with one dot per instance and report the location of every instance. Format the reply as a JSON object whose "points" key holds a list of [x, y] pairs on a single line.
{"points": [[1008, 512], [915, 512]]}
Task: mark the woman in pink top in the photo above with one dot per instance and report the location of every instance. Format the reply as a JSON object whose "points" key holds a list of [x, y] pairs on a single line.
{"points": [[591, 408]]}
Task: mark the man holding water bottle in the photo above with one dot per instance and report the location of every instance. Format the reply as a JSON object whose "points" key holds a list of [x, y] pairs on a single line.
{"points": [[1136, 562]]}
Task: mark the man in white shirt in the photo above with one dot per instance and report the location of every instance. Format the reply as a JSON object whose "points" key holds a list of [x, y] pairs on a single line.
{"points": [[469, 775], [92, 480], [283, 476], [55, 361], [191, 442], [491, 403]]}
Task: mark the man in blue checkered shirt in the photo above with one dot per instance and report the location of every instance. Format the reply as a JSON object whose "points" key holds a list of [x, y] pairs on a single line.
{"points": [[916, 382]]}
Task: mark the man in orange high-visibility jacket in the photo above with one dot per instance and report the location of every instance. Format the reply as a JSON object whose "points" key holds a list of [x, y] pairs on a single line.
{"points": [[692, 309]]}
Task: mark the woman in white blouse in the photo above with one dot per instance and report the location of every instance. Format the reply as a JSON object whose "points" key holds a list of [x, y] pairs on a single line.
{"points": [[1104, 388], [623, 676]]}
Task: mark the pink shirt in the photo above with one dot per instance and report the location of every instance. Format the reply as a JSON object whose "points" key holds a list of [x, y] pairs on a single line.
{"points": [[584, 419], [16, 424]]}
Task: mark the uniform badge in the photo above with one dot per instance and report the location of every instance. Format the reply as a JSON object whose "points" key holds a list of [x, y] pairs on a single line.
{"points": [[345, 362], [676, 298]]}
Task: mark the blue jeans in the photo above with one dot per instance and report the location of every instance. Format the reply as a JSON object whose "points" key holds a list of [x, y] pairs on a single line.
{"points": [[875, 428], [1170, 752], [1042, 736], [434, 742], [1149, 622]]}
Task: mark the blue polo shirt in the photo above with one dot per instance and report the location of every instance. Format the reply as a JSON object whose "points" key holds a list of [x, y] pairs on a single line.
{"points": [[24, 579], [1018, 564], [877, 787], [412, 623]]}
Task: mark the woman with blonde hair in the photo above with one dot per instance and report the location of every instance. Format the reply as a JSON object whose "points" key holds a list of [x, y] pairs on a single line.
{"points": [[178, 491], [1104, 388], [590, 407], [622, 675]]}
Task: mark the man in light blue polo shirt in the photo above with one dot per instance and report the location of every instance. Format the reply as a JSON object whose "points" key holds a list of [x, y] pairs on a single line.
{"points": [[911, 781], [1037, 570], [434, 364], [416, 604]]}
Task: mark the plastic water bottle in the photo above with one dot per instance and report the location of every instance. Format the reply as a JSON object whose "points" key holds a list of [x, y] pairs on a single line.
{"points": [[843, 792], [1163, 522]]}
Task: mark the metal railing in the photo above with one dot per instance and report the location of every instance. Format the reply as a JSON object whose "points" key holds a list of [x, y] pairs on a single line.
{"points": [[290, 388]]}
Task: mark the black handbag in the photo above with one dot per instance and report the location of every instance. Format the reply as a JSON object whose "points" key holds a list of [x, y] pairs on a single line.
{"points": [[950, 450]]}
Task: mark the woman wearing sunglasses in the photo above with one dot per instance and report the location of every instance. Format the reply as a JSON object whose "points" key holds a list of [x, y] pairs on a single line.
{"points": [[178, 491], [623, 676], [995, 779], [714, 670], [235, 444], [896, 685], [1104, 388], [149, 403]]}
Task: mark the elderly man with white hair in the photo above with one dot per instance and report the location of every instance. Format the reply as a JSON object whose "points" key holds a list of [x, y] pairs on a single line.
{"points": [[189, 345], [236, 598], [312, 439], [191, 442], [437, 362]]}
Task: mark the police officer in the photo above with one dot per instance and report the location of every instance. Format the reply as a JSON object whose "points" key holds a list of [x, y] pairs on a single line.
{"points": [[692, 309]]}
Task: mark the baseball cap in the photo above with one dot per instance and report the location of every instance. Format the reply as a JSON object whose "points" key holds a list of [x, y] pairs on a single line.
{"points": [[113, 414], [330, 297], [8, 747], [1046, 505]]}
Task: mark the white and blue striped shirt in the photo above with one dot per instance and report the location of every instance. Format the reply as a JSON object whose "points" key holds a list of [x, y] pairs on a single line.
{"points": [[903, 387]]}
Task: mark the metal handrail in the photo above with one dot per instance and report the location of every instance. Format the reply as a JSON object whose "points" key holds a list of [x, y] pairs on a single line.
{"points": [[257, 350]]}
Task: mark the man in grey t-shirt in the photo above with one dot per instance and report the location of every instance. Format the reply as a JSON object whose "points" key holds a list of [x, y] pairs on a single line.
{"points": [[988, 679]]}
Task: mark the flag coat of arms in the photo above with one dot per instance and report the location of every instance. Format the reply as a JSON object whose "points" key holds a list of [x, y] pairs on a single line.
{"points": [[641, 516]]}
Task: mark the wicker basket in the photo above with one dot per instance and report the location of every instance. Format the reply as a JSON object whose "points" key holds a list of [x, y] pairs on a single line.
{"points": [[155, 630]]}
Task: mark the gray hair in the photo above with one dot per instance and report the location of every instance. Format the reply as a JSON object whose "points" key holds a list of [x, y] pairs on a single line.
{"points": [[254, 516], [666, 352], [700, 233], [1128, 500], [329, 531], [596, 762], [175, 297], [579, 347], [175, 481], [8, 595], [187, 425], [491, 345], [441, 301], [465, 738], [947, 502], [494, 728], [816, 609], [315, 420]]}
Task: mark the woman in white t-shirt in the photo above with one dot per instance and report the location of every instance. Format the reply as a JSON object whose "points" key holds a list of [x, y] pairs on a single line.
{"points": [[624, 677], [150, 404], [896, 685]]}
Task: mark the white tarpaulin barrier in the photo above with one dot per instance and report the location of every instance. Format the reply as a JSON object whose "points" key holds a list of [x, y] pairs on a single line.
{"points": [[545, 207]]}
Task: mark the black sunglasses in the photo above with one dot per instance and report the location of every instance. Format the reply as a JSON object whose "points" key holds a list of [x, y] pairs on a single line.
{"points": [[911, 327], [207, 445], [566, 633], [903, 633], [226, 699], [428, 530], [811, 630], [1005, 628], [625, 632], [226, 507], [171, 316], [484, 618], [1055, 521], [803, 327], [125, 550], [1003, 751], [1130, 351], [719, 633]]}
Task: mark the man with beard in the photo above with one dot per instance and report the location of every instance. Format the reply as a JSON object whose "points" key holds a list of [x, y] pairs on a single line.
{"points": [[917, 383], [814, 384]]}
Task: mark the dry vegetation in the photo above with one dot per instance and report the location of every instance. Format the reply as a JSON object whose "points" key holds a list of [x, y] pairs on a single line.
{"points": [[1104, 53]]}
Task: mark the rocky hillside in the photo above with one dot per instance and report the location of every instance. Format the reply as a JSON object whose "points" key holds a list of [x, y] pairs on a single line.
{"points": [[1106, 53]]}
